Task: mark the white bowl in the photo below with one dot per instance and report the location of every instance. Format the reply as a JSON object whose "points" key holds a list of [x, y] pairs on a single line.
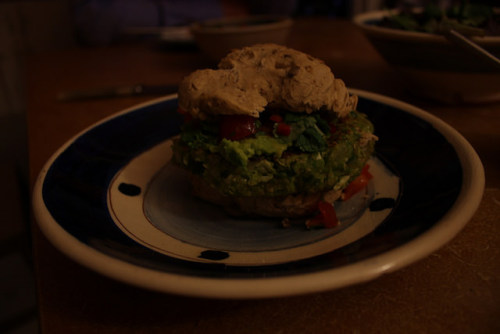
{"points": [[431, 65]]}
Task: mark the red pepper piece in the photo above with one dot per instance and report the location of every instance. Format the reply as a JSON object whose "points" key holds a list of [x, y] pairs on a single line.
{"points": [[326, 217], [328, 214], [358, 184]]}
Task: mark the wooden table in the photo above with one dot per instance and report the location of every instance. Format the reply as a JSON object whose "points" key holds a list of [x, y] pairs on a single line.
{"points": [[455, 290]]}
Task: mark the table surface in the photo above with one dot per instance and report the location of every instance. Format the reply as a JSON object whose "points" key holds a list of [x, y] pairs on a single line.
{"points": [[454, 290]]}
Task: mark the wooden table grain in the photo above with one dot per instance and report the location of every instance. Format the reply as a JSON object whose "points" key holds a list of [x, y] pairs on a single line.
{"points": [[454, 290]]}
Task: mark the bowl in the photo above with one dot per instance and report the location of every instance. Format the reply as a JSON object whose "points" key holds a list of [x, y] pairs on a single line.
{"points": [[431, 65], [219, 36]]}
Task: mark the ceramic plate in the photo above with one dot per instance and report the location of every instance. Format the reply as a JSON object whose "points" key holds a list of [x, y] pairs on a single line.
{"points": [[111, 199], [172, 34]]}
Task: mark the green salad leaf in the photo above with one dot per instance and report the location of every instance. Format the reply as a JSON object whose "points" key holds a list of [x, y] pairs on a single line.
{"points": [[311, 141], [309, 132], [471, 19]]}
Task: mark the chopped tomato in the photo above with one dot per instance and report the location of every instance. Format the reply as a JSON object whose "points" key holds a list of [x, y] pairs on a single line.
{"points": [[358, 184], [276, 118], [283, 129], [333, 128], [187, 117], [327, 216], [237, 127]]}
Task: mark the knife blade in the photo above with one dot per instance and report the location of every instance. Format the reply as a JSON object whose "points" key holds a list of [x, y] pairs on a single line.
{"points": [[116, 91], [469, 46]]}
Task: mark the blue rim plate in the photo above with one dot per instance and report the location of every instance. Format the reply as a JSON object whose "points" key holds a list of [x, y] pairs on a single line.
{"points": [[79, 198]]}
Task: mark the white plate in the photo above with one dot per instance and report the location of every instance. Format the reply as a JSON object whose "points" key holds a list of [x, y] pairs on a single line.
{"points": [[100, 200]]}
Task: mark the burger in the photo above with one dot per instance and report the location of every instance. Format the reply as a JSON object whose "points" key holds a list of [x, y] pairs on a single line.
{"points": [[271, 132]]}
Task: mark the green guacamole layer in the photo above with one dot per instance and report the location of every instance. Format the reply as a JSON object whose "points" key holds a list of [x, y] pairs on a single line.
{"points": [[311, 158]]}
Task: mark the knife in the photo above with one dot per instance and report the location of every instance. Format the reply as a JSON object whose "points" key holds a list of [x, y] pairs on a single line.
{"points": [[117, 91], [467, 44]]}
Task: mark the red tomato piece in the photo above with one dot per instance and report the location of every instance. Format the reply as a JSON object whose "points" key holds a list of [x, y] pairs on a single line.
{"points": [[358, 184], [333, 128], [187, 117], [327, 216], [276, 118], [283, 129], [237, 127]]}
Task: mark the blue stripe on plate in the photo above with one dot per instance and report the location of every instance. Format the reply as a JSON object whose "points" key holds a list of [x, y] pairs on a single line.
{"points": [[76, 184]]}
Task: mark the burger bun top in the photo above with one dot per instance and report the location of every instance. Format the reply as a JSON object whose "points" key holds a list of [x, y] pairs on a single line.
{"points": [[250, 79]]}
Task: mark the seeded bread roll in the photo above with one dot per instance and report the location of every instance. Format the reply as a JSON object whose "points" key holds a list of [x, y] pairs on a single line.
{"points": [[266, 75], [272, 133]]}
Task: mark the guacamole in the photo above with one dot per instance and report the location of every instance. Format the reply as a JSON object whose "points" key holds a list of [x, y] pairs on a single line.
{"points": [[286, 153]]}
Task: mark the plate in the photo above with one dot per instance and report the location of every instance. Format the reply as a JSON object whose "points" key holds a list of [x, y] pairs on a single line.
{"points": [[111, 200], [151, 202], [174, 34]]}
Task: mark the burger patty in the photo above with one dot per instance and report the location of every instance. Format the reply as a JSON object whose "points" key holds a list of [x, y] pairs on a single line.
{"points": [[313, 154]]}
